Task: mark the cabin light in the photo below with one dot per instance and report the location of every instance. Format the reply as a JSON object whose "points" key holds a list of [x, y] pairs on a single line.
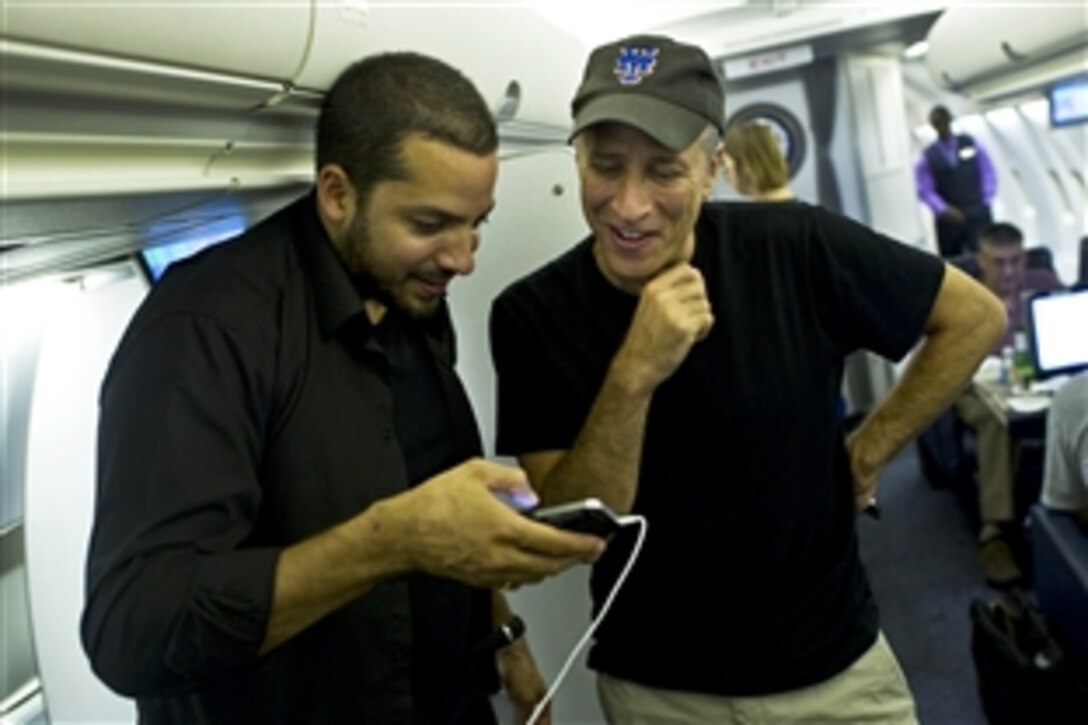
{"points": [[596, 21], [916, 50]]}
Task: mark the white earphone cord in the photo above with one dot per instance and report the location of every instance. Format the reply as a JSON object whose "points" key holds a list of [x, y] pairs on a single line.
{"points": [[642, 526]]}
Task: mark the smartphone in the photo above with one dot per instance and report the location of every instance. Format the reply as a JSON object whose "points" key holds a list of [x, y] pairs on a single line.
{"points": [[589, 516]]}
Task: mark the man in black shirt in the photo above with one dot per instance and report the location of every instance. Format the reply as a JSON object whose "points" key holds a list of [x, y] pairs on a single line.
{"points": [[293, 524], [684, 362]]}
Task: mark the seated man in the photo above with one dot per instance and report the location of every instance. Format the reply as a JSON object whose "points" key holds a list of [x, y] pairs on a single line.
{"points": [[1002, 268], [1065, 469]]}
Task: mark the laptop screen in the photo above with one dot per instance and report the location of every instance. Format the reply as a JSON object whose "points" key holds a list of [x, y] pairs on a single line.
{"points": [[1058, 331], [177, 244]]}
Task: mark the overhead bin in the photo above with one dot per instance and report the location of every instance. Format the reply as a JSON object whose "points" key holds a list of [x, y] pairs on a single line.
{"points": [[249, 38], [987, 52], [137, 97], [224, 95], [493, 44], [263, 48]]}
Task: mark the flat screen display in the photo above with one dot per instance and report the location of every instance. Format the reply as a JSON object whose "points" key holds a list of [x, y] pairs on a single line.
{"points": [[1069, 101], [156, 258], [1058, 331]]}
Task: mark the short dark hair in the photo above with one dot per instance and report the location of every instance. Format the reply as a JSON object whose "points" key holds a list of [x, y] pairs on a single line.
{"points": [[377, 102], [1001, 234], [939, 111]]}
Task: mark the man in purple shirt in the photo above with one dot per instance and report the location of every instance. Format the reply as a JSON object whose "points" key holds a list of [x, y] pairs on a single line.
{"points": [[957, 181], [1003, 269]]}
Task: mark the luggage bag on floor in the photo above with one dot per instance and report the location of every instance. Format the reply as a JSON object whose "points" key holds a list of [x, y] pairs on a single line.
{"points": [[1023, 675]]}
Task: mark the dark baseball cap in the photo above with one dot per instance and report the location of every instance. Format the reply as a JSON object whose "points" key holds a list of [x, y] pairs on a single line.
{"points": [[666, 89]]}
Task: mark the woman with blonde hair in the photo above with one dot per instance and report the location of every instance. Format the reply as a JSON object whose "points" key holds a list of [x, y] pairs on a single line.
{"points": [[754, 164]]}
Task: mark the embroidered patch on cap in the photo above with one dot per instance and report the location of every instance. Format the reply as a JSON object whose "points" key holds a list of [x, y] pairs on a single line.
{"points": [[635, 64]]}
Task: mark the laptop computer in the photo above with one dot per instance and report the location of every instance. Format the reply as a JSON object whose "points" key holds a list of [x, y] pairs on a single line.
{"points": [[1057, 325]]}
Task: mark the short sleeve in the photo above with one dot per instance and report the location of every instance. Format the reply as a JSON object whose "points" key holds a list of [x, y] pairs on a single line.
{"points": [[874, 292]]}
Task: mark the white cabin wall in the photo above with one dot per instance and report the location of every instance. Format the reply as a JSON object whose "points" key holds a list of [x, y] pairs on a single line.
{"points": [[537, 217], [879, 133], [20, 339], [19, 686], [85, 324], [881, 144]]}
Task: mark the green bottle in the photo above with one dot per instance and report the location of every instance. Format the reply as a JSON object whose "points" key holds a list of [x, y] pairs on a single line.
{"points": [[1023, 368]]}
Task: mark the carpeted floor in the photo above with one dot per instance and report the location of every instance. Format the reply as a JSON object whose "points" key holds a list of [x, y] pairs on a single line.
{"points": [[921, 561]]}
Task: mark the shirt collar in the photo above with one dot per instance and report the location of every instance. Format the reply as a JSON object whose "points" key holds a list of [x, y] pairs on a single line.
{"points": [[335, 295]]}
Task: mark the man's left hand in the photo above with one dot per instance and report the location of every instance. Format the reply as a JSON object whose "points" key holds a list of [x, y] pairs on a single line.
{"points": [[523, 682], [864, 474]]}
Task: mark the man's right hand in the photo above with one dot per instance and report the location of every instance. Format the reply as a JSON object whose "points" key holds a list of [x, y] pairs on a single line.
{"points": [[452, 525], [952, 215], [673, 314]]}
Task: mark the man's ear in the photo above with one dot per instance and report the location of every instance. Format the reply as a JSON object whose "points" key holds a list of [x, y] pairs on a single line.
{"points": [[712, 172], [335, 195]]}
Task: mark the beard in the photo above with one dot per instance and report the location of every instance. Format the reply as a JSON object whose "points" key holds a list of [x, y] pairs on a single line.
{"points": [[365, 268]]}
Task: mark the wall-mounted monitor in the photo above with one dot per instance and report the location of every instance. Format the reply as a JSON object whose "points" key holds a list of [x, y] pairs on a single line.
{"points": [[1056, 328], [1068, 101]]}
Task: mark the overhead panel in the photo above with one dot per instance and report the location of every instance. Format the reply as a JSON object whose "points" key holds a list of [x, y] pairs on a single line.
{"points": [[107, 99], [493, 44], [253, 38], [987, 51]]}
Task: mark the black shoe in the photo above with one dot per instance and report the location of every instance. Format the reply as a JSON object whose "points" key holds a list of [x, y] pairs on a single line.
{"points": [[998, 563]]}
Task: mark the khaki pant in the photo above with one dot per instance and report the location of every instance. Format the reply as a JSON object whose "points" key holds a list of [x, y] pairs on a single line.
{"points": [[996, 458], [872, 690]]}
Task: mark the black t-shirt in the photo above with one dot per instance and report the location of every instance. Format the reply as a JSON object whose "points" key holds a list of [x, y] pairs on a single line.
{"points": [[750, 580]]}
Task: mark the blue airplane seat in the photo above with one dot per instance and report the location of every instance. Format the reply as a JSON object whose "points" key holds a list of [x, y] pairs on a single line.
{"points": [[1060, 558]]}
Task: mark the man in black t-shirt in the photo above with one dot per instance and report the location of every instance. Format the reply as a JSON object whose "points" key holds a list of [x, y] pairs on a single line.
{"points": [[683, 362]]}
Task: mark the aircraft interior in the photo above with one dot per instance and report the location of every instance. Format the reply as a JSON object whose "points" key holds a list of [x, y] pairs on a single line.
{"points": [[135, 133]]}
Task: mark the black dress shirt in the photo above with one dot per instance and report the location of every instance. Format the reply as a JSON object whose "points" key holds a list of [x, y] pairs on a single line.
{"points": [[249, 406]]}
